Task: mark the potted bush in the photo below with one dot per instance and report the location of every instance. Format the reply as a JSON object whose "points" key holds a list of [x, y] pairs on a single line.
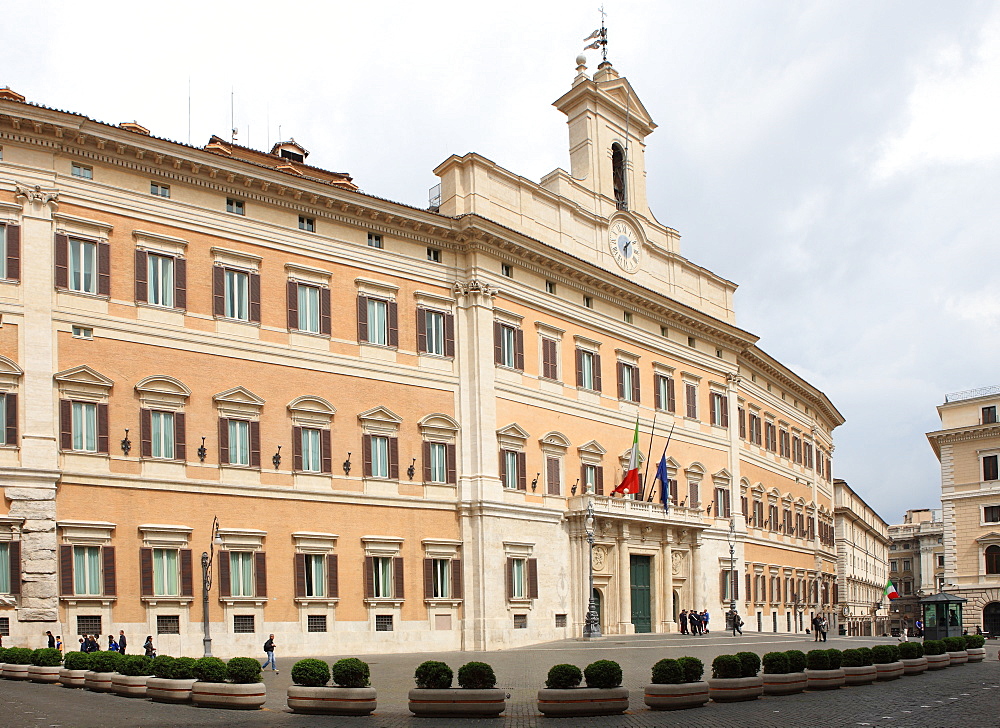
{"points": [[779, 679], [3, 651], [934, 652], [103, 666], [352, 695], [45, 665], [603, 695], [75, 667], [911, 654], [476, 697], [955, 647], [16, 662], [823, 671], [677, 684], [975, 647], [887, 664], [133, 672], [734, 678], [857, 666], [172, 679], [796, 661], [234, 685]]}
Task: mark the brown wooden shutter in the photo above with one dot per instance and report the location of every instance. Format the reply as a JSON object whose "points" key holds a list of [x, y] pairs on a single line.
{"points": [[180, 283], [657, 399], [599, 480], [187, 573], [146, 572], [519, 349], [66, 586], [532, 578], [712, 397], [66, 424], [503, 468], [62, 262], [579, 367], [225, 581], [110, 577], [296, 448], [366, 454], [394, 458], [103, 443], [725, 410], [671, 396], [522, 471], [597, 372], [326, 451], [332, 577], [362, 319], [103, 269], [292, 301], [621, 380], [426, 450], [219, 291], [254, 444], [449, 334], [421, 330], [325, 316], [552, 475], [547, 359], [635, 384], [223, 441], [14, 566], [141, 276], [393, 323], [260, 573], [146, 433], [497, 342], [509, 578], [180, 437], [428, 578], [369, 577], [691, 394], [451, 466], [300, 575], [456, 579], [397, 578], [11, 423], [254, 297], [13, 252]]}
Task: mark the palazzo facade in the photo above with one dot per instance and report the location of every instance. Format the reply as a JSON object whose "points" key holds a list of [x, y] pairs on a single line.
{"points": [[398, 415]]}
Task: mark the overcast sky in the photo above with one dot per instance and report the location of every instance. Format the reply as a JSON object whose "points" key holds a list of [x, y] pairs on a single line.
{"points": [[840, 161]]}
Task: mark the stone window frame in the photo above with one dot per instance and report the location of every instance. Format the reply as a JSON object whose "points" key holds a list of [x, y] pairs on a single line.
{"points": [[520, 550], [239, 403], [545, 332], [87, 533], [10, 381], [384, 547], [85, 384], [445, 549], [10, 531], [440, 428], [316, 543], [513, 438], [165, 536], [555, 445]]}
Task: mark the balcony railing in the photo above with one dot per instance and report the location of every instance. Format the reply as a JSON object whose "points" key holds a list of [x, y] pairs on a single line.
{"points": [[972, 393], [638, 509]]}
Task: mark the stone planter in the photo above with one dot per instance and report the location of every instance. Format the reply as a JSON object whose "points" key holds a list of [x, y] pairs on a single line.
{"points": [[456, 702], [578, 702], [787, 683], [676, 696], [889, 670], [864, 675], [15, 672], [958, 658], [72, 678], [976, 654], [735, 689], [164, 690], [129, 686], [99, 682], [228, 695], [914, 666], [43, 674], [826, 679], [332, 700], [938, 662]]}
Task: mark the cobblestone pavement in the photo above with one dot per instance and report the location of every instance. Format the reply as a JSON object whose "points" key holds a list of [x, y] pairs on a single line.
{"points": [[966, 696]]}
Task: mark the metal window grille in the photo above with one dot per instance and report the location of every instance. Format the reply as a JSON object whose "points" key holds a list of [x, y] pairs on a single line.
{"points": [[86, 624], [5, 626], [243, 624], [168, 624], [316, 623], [520, 621], [383, 623], [560, 620]]}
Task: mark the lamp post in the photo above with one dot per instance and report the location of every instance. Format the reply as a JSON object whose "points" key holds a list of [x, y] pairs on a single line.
{"points": [[207, 557], [592, 625], [875, 607], [731, 538]]}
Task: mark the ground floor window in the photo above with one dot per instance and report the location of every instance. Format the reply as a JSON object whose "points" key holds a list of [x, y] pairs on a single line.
{"points": [[520, 621], [383, 623], [243, 624], [316, 623], [4, 626], [168, 624], [89, 624]]}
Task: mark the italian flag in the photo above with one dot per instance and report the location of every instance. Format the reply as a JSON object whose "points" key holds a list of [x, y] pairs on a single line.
{"points": [[630, 484], [890, 590]]}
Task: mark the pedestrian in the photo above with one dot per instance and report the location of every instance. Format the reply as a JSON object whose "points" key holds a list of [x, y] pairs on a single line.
{"points": [[59, 644], [816, 625], [121, 641], [682, 619], [269, 651], [919, 626], [695, 622], [51, 640], [148, 646], [704, 620], [83, 645], [112, 645], [823, 626]]}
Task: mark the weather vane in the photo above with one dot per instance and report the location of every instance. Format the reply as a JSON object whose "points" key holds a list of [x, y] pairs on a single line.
{"points": [[601, 35]]}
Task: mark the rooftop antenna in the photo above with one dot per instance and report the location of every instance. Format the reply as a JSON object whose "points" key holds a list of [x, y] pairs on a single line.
{"points": [[601, 35], [189, 110], [232, 113]]}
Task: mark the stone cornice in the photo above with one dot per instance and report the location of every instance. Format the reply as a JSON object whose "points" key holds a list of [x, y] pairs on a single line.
{"points": [[962, 434], [758, 358]]}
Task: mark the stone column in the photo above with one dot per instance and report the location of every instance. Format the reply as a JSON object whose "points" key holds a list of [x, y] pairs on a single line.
{"points": [[624, 580], [697, 591], [667, 570]]}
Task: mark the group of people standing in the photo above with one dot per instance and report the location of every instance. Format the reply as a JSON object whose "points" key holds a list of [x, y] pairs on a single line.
{"points": [[693, 622], [91, 643], [820, 627]]}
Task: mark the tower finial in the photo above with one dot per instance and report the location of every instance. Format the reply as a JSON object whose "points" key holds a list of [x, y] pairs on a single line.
{"points": [[601, 35]]}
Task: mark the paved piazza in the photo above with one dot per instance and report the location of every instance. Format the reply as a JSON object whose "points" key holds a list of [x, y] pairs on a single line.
{"points": [[967, 696]]}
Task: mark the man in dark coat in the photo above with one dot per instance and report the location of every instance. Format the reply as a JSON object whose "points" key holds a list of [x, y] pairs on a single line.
{"points": [[682, 620], [695, 622], [121, 641], [52, 640]]}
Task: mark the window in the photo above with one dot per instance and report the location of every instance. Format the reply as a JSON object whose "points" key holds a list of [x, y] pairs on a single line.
{"points": [[691, 342], [165, 573], [159, 190], [593, 479], [308, 308], [553, 476], [383, 577], [82, 171], [235, 206], [588, 301], [588, 370], [89, 624], [312, 461], [440, 578], [241, 582], [550, 359], [315, 623], [796, 450], [374, 240], [383, 623], [550, 287], [772, 517], [168, 624], [628, 382], [618, 176], [906, 564], [378, 322], [784, 444], [244, 624], [807, 452], [907, 587], [741, 417], [508, 343], [992, 559], [989, 414], [990, 470], [664, 331], [315, 575], [512, 469], [379, 456], [237, 295], [435, 332], [719, 404], [940, 561], [517, 578], [438, 462], [506, 270], [730, 585], [770, 437], [560, 620], [82, 266], [520, 621], [893, 565], [309, 225], [758, 514], [239, 442], [991, 514], [83, 332], [84, 427], [723, 507], [5, 567], [160, 280], [664, 390], [627, 317], [162, 435], [691, 400], [87, 579]]}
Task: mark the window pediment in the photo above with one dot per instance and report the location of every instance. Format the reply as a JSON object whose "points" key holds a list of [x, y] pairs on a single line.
{"points": [[381, 420], [310, 542], [10, 373], [156, 243], [382, 545], [990, 538], [81, 226], [311, 410], [513, 436], [592, 448], [82, 382], [441, 548], [305, 274], [438, 426], [242, 538], [95, 533], [238, 402], [236, 259], [378, 289], [554, 441], [156, 535], [162, 392]]}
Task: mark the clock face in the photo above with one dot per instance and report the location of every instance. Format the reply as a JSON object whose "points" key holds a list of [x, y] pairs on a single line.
{"points": [[624, 245]]}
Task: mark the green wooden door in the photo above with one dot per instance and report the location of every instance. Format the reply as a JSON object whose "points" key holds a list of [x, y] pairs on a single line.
{"points": [[641, 602]]}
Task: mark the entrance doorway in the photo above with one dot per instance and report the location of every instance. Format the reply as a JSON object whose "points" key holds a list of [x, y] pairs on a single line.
{"points": [[642, 613], [676, 605], [991, 619], [598, 606]]}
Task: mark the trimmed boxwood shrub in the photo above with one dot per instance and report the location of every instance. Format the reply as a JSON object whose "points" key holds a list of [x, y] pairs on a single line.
{"points": [[835, 658], [603, 674], [18, 656], [350, 672], [867, 658], [974, 640], [434, 675], [776, 663], [894, 649], [693, 668], [668, 672], [750, 664], [882, 654], [182, 668], [105, 661], [726, 666], [933, 647], [136, 665], [911, 650], [243, 670], [954, 644], [796, 660], [310, 673], [563, 677], [46, 657], [77, 661], [209, 669], [851, 658], [3, 651], [161, 665], [477, 676], [818, 660]]}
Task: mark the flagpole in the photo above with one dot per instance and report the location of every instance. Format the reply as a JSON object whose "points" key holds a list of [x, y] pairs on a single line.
{"points": [[662, 484], [649, 452]]}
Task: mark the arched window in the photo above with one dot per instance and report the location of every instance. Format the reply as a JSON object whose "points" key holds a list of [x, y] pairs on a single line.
{"points": [[993, 559], [618, 175]]}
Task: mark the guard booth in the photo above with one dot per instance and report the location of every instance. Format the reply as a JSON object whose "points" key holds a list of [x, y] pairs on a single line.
{"points": [[942, 616]]}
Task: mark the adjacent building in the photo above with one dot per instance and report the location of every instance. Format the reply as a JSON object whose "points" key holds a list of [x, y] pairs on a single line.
{"points": [[916, 563], [398, 416], [862, 561], [968, 446]]}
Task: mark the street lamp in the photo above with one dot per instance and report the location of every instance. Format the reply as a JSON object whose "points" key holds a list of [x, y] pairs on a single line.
{"points": [[875, 607], [731, 538], [206, 583], [592, 625]]}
